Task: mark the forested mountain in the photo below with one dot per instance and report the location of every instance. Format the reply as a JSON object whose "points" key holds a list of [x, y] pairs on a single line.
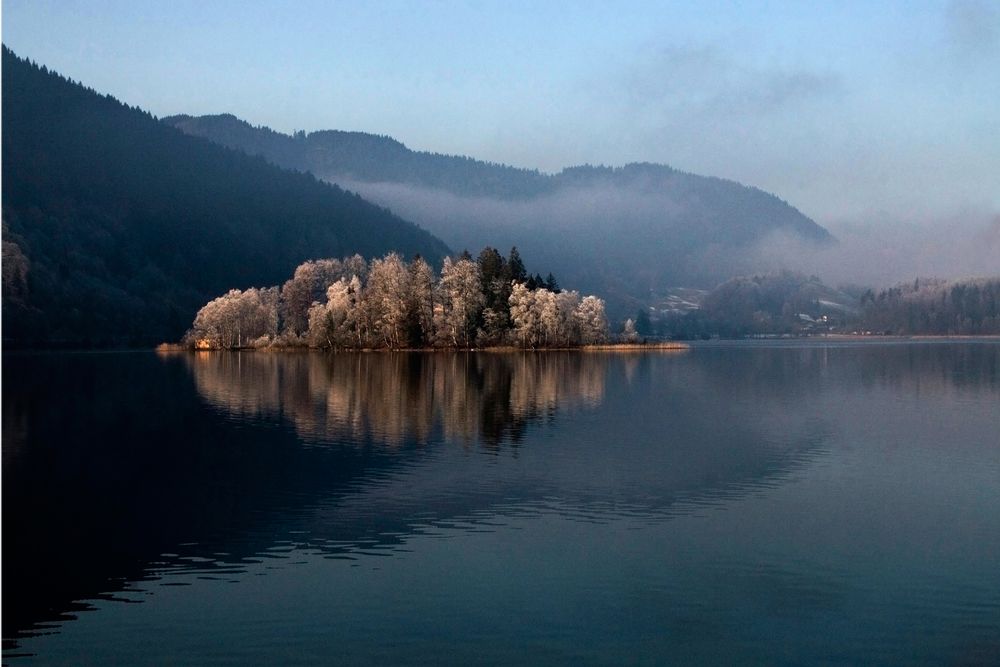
{"points": [[117, 227], [620, 232]]}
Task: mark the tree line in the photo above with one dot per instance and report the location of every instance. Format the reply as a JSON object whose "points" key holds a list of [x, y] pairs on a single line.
{"points": [[389, 303], [935, 307], [795, 304]]}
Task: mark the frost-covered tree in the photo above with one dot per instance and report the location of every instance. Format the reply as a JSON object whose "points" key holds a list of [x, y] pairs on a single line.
{"points": [[420, 304], [387, 289], [237, 318], [355, 265], [332, 324], [544, 318], [548, 316], [461, 301], [592, 321], [567, 325], [629, 334], [307, 285], [525, 316], [392, 304]]}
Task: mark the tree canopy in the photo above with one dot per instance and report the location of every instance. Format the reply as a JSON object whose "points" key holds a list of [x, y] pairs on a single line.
{"points": [[392, 304]]}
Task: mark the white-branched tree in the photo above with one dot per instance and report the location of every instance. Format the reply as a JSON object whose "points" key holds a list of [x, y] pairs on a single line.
{"points": [[309, 284], [592, 321], [420, 304], [461, 301], [334, 323], [388, 286], [238, 319]]}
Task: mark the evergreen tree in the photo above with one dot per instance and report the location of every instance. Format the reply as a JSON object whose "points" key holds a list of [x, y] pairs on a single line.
{"points": [[643, 325], [551, 284], [515, 266]]}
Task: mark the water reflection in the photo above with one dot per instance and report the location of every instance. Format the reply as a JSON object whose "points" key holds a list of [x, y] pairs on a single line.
{"points": [[391, 399], [128, 470]]}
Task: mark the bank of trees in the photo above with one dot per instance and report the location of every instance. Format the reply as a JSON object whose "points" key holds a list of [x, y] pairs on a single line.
{"points": [[393, 304], [935, 307]]}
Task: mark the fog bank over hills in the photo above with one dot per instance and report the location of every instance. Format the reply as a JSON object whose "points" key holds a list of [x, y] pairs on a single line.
{"points": [[628, 233], [881, 252], [622, 232]]}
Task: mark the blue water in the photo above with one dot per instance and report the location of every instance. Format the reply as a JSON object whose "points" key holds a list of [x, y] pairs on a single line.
{"points": [[775, 503]]}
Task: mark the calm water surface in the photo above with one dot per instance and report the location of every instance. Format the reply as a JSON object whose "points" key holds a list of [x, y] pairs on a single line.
{"points": [[775, 503]]}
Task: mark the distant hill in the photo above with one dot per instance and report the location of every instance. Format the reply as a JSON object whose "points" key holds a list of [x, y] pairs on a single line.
{"points": [[776, 303], [792, 303], [621, 232], [117, 227]]}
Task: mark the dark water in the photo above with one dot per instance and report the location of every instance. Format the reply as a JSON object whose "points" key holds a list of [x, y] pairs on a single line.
{"points": [[797, 504]]}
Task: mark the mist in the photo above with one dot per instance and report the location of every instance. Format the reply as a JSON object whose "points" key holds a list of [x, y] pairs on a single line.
{"points": [[882, 251], [630, 244], [626, 242]]}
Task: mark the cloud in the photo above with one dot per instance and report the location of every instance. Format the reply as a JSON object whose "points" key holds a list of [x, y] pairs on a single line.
{"points": [[706, 79]]}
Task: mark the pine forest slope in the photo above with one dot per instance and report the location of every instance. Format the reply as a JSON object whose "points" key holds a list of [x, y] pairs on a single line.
{"points": [[118, 227]]}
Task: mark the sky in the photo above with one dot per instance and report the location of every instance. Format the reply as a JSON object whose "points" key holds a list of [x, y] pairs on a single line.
{"points": [[858, 113]]}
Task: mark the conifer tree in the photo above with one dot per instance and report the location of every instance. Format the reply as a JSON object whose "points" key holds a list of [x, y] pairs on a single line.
{"points": [[515, 266]]}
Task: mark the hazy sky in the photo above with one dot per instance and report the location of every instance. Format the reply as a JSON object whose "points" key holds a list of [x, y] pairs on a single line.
{"points": [[853, 111]]}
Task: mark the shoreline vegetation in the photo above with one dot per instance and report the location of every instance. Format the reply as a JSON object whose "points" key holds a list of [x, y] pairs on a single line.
{"points": [[492, 303], [648, 346], [388, 303], [660, 346]]}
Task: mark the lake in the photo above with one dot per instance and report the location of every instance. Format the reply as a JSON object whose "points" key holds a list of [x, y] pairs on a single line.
{"points": [[797, 503]]}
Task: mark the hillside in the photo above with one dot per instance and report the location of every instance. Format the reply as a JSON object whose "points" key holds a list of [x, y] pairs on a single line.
{"points": [[621, 232], [117, 227], [774, 303]]}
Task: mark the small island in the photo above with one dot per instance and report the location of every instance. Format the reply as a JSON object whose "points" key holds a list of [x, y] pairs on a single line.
{"points": [[487, 303]]}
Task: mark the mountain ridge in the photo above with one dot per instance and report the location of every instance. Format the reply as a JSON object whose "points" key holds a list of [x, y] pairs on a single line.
{"points": [[312, 152]]}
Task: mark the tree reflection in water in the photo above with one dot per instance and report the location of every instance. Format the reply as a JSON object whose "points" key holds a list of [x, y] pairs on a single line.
{"points": [[388, 399]]}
